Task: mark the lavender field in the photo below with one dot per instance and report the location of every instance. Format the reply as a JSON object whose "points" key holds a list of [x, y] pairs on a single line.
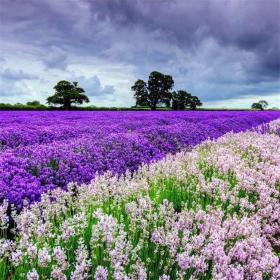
{"points": [[140, 195], [45, 150]]}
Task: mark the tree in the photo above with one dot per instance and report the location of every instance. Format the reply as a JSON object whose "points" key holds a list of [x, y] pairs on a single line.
{"points": [[194, 102], [264, 104], [141, 93], [180, 99], [157, 90], [66, 94], [34, 103], [257, 106], [260, 105], [159, 87]]}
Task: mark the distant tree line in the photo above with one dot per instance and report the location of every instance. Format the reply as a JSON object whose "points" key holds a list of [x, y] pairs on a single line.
{"points": [[158, 91], [32, 105]]}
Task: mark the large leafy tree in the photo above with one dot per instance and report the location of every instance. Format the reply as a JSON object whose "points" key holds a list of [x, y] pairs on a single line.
{"points": [[157, 90], [141, 93], [180, 99], [160, 86], [67, 94]]}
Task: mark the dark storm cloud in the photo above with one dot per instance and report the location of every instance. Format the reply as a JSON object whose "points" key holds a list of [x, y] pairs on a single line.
{"points": [[248, 25], [218, 49]]}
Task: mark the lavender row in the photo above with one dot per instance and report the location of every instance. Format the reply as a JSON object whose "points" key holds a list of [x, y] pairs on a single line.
{"points": [[211, 213], [40, 151]]}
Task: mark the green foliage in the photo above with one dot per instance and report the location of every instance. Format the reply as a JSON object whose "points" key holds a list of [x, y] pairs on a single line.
{"points": [[19, 106], [66, 94], [264, 103], [159, 87], [260, 105], [194, 102], [157, 90], [257, 106], [182, 99], [34, 103], [141, 93]]}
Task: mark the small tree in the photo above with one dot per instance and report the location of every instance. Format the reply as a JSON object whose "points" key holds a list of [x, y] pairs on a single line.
{"points": [[180, 99], [194, 102], [66, 94], [257, 106], [260, 105]]}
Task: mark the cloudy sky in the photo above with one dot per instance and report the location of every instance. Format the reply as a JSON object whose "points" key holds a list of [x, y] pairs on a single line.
{"points": [[225, 51]]}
